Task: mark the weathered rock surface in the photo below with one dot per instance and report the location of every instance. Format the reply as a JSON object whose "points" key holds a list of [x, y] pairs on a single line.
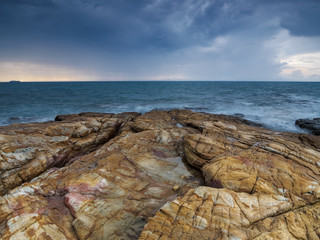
{"points": [[106, 194], [27, 150], [210, 213], [104, 176], [313, 125], [264, 185]]}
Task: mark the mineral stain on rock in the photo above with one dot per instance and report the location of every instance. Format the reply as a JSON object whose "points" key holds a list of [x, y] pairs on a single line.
{"points": [[215, 183], [130, 176]]}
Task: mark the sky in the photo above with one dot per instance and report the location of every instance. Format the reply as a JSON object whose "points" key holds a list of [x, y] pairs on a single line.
{"points": [[111, 40]]}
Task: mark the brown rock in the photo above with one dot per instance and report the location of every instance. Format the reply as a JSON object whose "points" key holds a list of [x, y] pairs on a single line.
{"points": [[106, 194], [153, 120], [27, 150], [112, 173], [247, 159], [176, 187], [263, 185], [210, 213]]}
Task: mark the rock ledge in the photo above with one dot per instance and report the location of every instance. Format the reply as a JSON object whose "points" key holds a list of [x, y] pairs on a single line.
{"points": [[161, 175]]}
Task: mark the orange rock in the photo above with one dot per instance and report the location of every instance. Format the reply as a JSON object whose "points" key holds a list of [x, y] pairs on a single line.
{"points": [[109, 193], [27, 150], [102, 176], [263, 185], [210, 213]]}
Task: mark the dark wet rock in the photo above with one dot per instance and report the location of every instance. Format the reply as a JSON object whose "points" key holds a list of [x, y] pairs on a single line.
{"points": [[312, 125], [72, 117]]}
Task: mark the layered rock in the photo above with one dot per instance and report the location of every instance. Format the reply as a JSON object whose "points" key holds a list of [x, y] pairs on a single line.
{"points": [[116, 171], [27, 150], [312, 125], [211, 213], [263, 185], [106, 194]]}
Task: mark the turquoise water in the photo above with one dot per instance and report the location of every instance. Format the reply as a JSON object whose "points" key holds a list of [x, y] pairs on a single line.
{"points": [[275, 104]]}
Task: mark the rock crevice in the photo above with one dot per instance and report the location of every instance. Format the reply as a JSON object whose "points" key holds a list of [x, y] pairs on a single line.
{"points": [[161, 175]]}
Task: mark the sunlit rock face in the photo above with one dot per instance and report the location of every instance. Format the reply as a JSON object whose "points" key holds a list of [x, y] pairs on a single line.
{"points": [[162, 175], [211, 213], [261, 184], [27, 150], [107, 193]]}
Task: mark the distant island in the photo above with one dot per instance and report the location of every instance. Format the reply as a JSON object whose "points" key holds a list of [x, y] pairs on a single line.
{"points": [[15, 81]]}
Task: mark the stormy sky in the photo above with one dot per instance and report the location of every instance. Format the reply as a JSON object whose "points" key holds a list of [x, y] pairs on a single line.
{"points": [[94, 40]]}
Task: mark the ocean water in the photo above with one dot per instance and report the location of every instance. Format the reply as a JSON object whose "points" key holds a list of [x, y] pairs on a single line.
{"points": [[274, 104]]}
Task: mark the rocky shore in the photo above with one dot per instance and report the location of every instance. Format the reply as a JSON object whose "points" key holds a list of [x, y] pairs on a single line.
{"points": [[161, 175], [312, 125]]}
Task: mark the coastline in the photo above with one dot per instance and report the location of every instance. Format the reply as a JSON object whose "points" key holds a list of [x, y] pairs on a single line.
{"points": [[176, 174], [275, 105]]}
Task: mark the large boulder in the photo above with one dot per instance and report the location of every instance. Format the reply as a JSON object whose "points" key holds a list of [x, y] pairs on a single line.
{"points": [[312, 125]]}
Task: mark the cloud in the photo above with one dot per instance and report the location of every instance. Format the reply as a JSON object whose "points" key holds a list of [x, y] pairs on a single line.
{"points": [[25, 71], [142, 39], [302, 18], [119, 24], [33, 3], [302, 66]]}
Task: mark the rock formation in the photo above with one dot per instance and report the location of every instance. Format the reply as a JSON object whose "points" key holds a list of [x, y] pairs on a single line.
{"points": [[161, 175], [312, 125], [28, 150]]}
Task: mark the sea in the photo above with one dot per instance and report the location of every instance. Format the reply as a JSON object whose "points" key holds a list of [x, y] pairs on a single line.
{"points": [[276, 105]]}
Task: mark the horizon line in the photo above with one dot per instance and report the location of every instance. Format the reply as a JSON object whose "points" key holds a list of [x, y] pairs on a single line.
{"points": [[96, 81]]}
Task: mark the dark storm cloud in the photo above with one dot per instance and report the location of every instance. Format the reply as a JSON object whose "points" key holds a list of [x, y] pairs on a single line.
{"points": [[166, 24], [36, 3], [302, 18], [113, 24], [128, 34]]}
